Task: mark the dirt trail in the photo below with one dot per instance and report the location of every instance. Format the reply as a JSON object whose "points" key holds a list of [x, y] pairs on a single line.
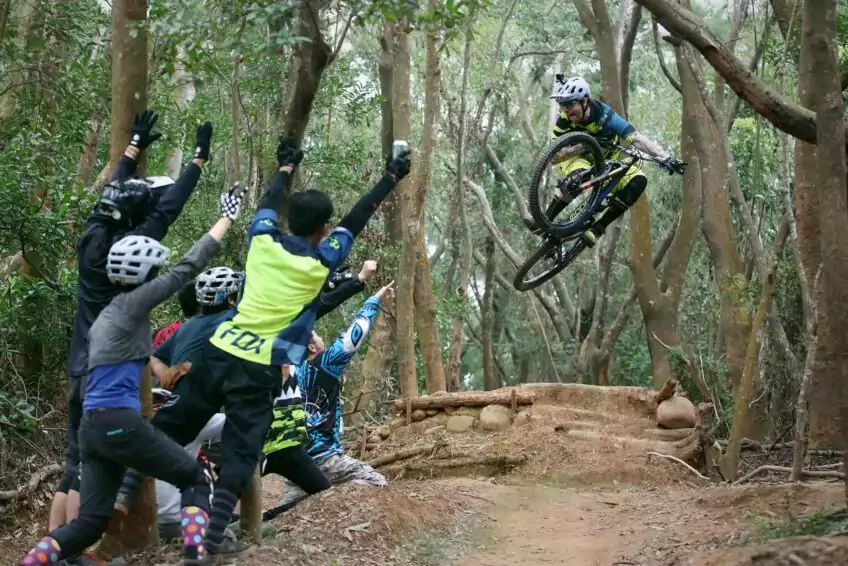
{"points": [[546, 525], [631, 526]]}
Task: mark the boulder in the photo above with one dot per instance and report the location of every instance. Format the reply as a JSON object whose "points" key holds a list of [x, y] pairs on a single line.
{"points": [[495, 418], [384, 431], [432, 412], [522, 418], [460, 423], [435, 430], [677, 412], [418, 415], [397, 422], [439, 393]]}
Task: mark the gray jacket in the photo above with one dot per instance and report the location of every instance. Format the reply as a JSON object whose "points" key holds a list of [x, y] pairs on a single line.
{"points": [[121, 332]]}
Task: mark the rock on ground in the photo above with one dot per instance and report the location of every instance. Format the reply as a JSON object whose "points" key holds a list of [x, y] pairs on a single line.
{"points": [[460, 423], [677, 412], [495, 418]]}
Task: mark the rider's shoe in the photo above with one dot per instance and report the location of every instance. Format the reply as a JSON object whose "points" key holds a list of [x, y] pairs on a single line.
{"points": [[226, 549], [591, 236]]}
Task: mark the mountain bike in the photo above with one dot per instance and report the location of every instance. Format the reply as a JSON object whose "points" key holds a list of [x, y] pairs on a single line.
{"points": [[594, 186]]}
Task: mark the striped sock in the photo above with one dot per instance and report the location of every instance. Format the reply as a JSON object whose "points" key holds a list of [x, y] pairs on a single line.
{"points": [[47, 551], [194, 522], [223, 503]]}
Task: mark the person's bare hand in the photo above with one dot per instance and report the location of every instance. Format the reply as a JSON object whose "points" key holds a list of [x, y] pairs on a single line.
{"points": [[387, 292], [369, 268]]}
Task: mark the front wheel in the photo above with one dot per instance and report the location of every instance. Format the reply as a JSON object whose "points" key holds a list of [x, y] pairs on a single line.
{"points": [[581, 207], [551, 257]]}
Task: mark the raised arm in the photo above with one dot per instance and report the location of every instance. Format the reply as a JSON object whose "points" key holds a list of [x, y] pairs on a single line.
{"points": [[335, 358], [142, 137], [355, 220], [347, 288], [145, 298], [171, 205], [288, 158]]}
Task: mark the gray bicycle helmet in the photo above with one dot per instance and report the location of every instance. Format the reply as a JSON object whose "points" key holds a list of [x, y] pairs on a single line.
{"points": [[573, 89], [214, 285], [132, 258]]}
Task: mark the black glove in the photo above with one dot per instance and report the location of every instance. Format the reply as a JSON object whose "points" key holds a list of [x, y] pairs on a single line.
{"points": [[399, 167], [673, 165], [287, 153], [203, 141], [141, 129]]}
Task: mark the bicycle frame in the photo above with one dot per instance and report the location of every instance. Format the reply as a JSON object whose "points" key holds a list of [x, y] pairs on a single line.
{"points": [[619, 168]]}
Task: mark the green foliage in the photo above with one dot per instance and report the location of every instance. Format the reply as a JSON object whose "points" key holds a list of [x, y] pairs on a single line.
{"points": [[825, 521], [16, 414]]}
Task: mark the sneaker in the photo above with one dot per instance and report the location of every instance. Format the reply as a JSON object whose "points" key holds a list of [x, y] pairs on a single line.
{"points": [[591, 236], [227, 548]]}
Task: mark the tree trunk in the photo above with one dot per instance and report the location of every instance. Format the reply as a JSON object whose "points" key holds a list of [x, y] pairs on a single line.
{"points": [[88, 158], [129, 97], [490, 378], [311, 57], [404, 302], [184, 93], [831, 375], [129, 74], [426, 323], [464, 259], [424, 303], [745, 391], [807, 206]]}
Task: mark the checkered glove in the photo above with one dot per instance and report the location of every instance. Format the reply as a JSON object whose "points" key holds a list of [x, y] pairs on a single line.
{"points": [[230, 205]]}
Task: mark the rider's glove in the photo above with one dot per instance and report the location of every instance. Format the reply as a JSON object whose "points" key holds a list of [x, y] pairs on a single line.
{"points": [[230, 203], [399, 167], [288, 154], [203, 141], [673, 165], [143, 123]]}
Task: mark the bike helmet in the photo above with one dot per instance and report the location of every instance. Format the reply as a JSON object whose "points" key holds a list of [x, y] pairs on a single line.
{"points": [[216, 284], [123, 200], [337, 277], [132, 259], [570, 90]]}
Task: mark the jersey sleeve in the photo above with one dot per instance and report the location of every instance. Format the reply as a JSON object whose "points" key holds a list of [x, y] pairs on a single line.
{"points": [[266, 221], [334, 359], [335, 247], [621, 128]]}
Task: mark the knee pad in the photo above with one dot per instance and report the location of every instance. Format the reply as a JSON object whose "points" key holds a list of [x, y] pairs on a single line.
{"points": [[199, 493], [631, 191]]}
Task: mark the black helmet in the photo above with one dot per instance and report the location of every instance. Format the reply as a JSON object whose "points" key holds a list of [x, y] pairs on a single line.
{"points": [[123, 201], [337, 277]]}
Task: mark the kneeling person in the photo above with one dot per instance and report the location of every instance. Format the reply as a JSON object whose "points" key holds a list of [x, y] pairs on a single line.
{"points": [[319, 379]]}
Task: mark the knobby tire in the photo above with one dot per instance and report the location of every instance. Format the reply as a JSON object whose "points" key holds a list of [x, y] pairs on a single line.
{"points": [[577, 224], [546, 247]]}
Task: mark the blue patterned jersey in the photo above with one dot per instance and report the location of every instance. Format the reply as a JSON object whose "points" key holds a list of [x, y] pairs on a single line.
{"points": [[319, 383]]}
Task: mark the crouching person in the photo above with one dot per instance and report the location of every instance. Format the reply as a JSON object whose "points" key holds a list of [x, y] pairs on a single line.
{"points": [[319, 379], [113, 433]]}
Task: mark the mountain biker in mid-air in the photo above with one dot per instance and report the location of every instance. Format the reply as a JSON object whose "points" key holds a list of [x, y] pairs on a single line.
{"points": [[580, 113]]}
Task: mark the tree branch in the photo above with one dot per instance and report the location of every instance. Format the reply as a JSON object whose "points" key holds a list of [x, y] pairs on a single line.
{"points": [[787, 117], [666, 71]]}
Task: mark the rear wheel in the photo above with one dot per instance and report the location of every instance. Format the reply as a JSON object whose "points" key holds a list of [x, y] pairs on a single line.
{"points": [[551, 257], [543, 182]]}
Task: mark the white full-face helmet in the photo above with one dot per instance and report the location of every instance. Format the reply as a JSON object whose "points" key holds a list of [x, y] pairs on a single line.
{"points": [[214, 285], [575, 88], [132, 258]]}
